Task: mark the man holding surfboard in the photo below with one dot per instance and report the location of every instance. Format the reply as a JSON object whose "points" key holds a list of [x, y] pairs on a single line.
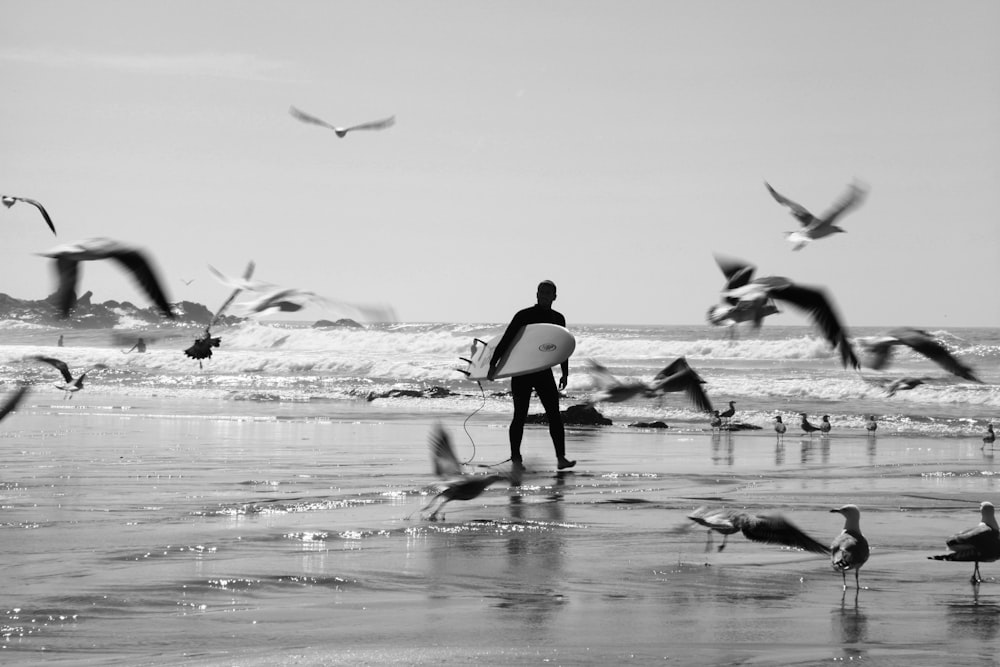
{"points": [[542, 382]]}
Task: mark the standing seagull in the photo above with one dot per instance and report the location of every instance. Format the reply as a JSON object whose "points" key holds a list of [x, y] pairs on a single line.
{"points": [[990, 436], [716, 422], [457, 485], [342, 131], [11, 404], [920, 341], [9, 201], [757, 294], [769, 528], [72, 384], [871, 426], [816, 228], [806, 426], [825, 425], [68, 258], [979, 544], [779, 427], [849, 550], [728, 413]]}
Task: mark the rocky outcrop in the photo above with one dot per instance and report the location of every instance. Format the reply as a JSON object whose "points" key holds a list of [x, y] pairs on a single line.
{"points": [[344, 323], [575, 415], [86, 314]]}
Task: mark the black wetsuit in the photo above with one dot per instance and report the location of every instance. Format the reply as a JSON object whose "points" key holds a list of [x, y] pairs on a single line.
{"points": [[542, 382]]}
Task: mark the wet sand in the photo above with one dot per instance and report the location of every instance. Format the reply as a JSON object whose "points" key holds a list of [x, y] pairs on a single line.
{"points": [[224, 533]]}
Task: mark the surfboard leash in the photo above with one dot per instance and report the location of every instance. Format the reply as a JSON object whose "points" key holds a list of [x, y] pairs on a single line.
{"points": [[465, 423]]}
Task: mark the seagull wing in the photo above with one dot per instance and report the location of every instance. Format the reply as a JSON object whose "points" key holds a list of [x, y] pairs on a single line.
{"points": [[136, 262], [11, 404], [719, 520], [936, 352], [980, 543], [601, 374], [372, 125], [816, 303], [446, 464], [59, 365], [852, 198], [776, 529], [67, 273], [41, 209], [306, 118], [247, 274], [800, 212], [687, 380], [737, 272]]}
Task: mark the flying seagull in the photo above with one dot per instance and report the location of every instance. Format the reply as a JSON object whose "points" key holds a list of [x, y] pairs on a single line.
{"points": [[68, 257], [456, 485], [202, 347], [612, 390], [11, 403], [849, 550], [679, 376], [732, 311], [9, 201], [758, 293], [980, 544], [71, 384], [816, 228], [342, 131], [290, 300], [880, 350], [769, 528]]}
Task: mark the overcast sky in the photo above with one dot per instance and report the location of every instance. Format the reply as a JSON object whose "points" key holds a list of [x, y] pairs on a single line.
{"points": [[611, 147]]}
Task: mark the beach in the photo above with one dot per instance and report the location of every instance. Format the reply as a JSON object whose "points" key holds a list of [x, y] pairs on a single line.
{"points": [[146, 523]]}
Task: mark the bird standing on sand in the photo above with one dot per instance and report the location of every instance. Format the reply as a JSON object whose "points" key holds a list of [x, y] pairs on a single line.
{"points": [[871, 425], [68, 258], [990, 436], [849, 550], [806, 426], [9, 200], [779, 427], [825, 425], [979, 544], [756, 294], [769, 528], [11, 403], [816, 228], [880, 351], [72, 384], [342, 131], [457, 485], [728, 413], [716, 423]]}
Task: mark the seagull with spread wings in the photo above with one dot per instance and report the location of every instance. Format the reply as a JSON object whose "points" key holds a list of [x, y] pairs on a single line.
{"points": [[732, 311], [67, 263], [455, 484], [770, 528], [818, 227], [756, 295], [9, 200], [342, 131], [880, 351], [71, 384]]}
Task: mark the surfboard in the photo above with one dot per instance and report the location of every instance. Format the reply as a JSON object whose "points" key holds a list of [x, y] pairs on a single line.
{"points": [[536, 347]]}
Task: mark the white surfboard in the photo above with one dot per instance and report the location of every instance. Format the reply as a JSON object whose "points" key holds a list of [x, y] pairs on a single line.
{"points": [[535, 348]]}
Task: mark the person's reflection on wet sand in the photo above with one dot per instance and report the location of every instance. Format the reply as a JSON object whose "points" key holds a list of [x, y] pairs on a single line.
{"points": [[535, 552]]}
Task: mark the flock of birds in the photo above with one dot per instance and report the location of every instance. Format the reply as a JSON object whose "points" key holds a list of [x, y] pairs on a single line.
{"points": [[848, 551], [743, 298], [272, 298]]}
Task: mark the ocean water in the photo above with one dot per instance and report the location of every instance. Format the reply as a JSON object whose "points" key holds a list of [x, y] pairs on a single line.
{"points": [[778, 370], [262, 510]]}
